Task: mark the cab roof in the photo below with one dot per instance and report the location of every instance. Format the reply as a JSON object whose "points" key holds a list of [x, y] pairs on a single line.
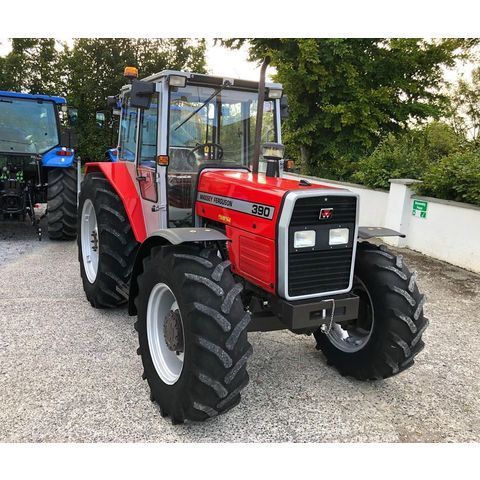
{"points": [[211, 80], [32, 96]]}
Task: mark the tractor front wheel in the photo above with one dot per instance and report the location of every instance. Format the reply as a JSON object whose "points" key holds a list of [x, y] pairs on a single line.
{"points": [[192, 330], [387, 334]]}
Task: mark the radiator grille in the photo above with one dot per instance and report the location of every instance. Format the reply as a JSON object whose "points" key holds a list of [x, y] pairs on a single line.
{"points": [[319, 271], [324, 269], [307, 210]]}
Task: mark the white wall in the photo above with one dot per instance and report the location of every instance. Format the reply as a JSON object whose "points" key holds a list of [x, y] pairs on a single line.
{"points": [[450, 231]]}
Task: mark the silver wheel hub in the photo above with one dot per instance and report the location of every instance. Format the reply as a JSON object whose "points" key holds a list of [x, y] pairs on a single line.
{"points": [[353, 336], [165, 333], [89, 240]]}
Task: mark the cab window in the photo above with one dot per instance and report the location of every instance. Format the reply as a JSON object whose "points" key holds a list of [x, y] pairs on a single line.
{"points": [[147, 151], [128, 133]]}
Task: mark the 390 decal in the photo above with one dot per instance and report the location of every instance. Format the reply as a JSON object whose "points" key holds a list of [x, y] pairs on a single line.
{"points": [[261, 210]]}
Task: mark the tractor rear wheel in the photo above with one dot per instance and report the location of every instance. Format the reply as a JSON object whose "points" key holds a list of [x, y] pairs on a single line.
{"points": [[62, 203], [106, 244], [387, 334], [192, 330]]}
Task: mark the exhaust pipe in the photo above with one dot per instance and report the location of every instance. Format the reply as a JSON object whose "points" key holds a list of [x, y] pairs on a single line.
{"points": [[258, 125]]}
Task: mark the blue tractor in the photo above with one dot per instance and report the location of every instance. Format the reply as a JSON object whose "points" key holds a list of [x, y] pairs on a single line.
{"points": [[37, 162]]}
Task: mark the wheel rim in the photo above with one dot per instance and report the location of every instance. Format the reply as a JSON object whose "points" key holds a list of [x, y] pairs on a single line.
{"points": [[353, 336], [90, 241], [167, 363]]}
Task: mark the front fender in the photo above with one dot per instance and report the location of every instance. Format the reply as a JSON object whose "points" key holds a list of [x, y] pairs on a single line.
{"points": [[167, 236], [375, 232]]}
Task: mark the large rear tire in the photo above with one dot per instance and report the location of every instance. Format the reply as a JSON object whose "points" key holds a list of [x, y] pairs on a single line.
{"points": [[387, 335], [192, 330], [106, 243], [62, 203]]}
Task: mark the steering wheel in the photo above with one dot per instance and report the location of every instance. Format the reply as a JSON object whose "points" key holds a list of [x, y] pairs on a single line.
{"points": [[210, 147]]}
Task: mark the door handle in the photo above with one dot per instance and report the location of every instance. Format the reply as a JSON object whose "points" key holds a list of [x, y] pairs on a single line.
{"points": [[141, 178]]}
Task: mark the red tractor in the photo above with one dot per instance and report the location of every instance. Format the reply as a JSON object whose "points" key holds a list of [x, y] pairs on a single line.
{"points": [[204, 248]]}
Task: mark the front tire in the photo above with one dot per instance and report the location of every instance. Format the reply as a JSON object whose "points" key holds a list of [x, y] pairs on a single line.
{"points": [[62, 203], [387, 335], [106, 243], [191, 293]]}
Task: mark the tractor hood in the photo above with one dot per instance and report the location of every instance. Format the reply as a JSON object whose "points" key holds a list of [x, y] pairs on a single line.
{"points": [[246, 200]]}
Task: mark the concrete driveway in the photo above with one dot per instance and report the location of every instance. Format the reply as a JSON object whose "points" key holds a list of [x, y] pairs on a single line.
{"points": [[69, 373]]}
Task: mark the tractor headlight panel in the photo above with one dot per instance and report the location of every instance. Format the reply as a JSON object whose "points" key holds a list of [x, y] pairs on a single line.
{"points": [[304, 239], [338, 236]]}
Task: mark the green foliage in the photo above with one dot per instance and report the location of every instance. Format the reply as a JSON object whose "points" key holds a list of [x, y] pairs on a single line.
{"points": [[90, 71], [33, 65], [407, 155], [456, 177], [95, 67], [465, 107], [345, 95], [447, 165]]}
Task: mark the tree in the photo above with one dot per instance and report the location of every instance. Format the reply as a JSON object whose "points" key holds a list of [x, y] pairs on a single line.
{"points": [[345, 95], [89, 71], [95, 70], [465, 114], [32, 65]]}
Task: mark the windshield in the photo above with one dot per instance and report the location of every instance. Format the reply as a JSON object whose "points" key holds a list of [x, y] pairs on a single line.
{"points": [[221, 132], [27, 126]]}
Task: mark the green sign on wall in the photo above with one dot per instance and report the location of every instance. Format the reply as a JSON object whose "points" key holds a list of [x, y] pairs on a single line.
{"points": [[420, 208]]}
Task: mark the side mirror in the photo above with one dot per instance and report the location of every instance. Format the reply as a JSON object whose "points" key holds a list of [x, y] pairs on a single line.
{"points": [[100, 119], [68, 138], [140, 95], [284, 113], [112, 101], [72, 116]]}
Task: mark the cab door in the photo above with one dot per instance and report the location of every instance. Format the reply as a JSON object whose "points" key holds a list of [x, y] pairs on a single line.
{"points": [[146, 165]]}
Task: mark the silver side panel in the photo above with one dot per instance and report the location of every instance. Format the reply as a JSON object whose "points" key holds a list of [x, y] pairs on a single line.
{"points": [[283, 226]]}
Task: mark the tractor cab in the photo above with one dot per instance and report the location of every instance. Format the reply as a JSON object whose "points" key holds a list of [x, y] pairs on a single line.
{"points": [[37, 161], [176, 124]]}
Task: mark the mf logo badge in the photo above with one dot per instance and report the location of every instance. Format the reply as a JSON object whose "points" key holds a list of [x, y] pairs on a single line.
{"points": [[326, 214]]}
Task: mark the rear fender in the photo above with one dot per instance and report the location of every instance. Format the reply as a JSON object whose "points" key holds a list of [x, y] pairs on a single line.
{"points": [[121, 179], [167, 236], [53, 158]]}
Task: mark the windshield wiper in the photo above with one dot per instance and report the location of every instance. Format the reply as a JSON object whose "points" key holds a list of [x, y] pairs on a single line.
{"points": [[211, 97], [13, 141]]}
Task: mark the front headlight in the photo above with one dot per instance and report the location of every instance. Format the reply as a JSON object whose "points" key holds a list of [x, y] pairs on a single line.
{"points": [[338, 236], [304, 238]]}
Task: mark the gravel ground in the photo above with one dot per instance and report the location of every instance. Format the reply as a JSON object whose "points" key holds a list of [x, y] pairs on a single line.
{"points": [[69, 373]]}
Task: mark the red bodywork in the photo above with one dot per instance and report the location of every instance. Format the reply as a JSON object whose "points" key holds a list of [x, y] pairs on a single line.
{"points": [[121, 175], [252, 248]]}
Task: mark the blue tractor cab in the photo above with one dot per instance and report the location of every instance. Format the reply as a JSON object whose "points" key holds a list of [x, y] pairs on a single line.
{"points": [[37, 161]]}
